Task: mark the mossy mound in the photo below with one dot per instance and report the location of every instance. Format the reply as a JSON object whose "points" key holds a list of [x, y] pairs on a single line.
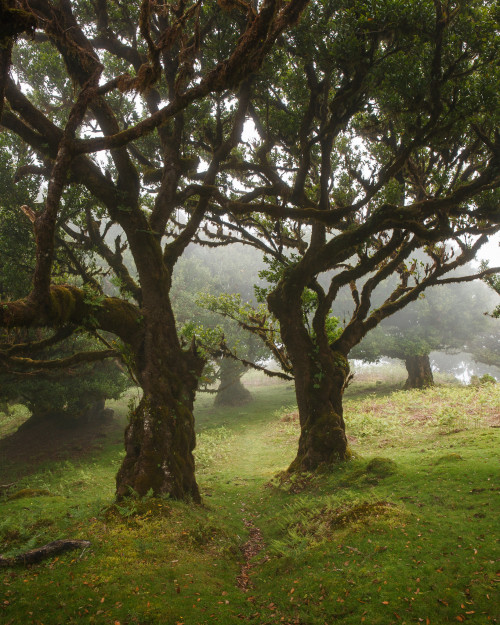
{"points": [[131, 508], [293, 482], [30, 492], [321, 524], [362, 512], [381, 467]]}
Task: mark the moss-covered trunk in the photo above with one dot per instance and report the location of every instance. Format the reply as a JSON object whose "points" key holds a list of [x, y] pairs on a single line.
{"points": [[160, 438], [319, 388], [320, 377], [159, 443], [419, 372]]}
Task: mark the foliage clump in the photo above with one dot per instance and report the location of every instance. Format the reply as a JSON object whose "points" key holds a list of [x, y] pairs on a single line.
{"points": [[484, 379]]}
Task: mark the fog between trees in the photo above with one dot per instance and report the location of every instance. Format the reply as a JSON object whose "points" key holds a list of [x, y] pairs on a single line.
{"points": [[371, 144]]}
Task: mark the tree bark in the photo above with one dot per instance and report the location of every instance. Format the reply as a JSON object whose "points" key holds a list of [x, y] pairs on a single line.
{"points": [[231, 391], [319, 388], [419, 372], [320, 378], [160, 437]]}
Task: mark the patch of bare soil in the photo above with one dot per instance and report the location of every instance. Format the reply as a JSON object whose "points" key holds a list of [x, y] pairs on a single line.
{"points": [[253, 546], [24, 451]]}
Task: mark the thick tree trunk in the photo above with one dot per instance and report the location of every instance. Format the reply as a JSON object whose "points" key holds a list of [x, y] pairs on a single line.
{"points": [[320, 378], [231, 391], [160, 438], [159, 443], [419, 372], [319, 387]]}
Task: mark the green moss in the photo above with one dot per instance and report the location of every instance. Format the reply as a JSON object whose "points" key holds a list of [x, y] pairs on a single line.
{"points": [[341, 362], [381, 467], [449, 458], [63, 302], [319, 525], [30, 492]]}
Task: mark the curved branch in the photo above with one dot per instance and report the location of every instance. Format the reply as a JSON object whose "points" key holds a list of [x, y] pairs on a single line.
{"points": [[27, 364], [71, 305]]}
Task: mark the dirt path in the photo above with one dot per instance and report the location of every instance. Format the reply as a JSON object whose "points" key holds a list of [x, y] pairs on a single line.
{"points": [[251, 549]]}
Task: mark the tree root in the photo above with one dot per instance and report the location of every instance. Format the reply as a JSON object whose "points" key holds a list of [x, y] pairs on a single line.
{"points": [[36, 555]]}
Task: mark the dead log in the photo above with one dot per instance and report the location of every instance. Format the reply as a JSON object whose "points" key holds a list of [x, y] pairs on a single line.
{"points": [[36, 555]]}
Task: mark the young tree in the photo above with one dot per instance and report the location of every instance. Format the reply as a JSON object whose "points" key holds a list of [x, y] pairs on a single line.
{"points": [[384, 137], [120, 103]]}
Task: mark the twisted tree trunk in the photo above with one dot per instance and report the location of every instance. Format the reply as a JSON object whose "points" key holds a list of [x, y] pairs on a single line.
{"points": [[320, 377], [419, 372], [160, 437]]}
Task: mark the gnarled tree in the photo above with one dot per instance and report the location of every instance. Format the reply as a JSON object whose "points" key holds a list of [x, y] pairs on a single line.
{"points": [[137, 106], [384, 138]]}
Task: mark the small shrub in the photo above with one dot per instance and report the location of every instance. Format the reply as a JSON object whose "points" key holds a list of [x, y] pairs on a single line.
{"points": [[487, 379]]}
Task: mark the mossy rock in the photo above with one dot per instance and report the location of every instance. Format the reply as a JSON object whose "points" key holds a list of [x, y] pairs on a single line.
{"points": [[381, 467], [449, 458], [30, 492]]}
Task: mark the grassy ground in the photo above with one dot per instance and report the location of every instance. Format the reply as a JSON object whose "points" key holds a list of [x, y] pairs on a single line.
{"points": [[404, 533]]}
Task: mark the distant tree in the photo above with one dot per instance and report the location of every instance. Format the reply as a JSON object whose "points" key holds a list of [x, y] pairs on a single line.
{"points": [[200, 276], [448, 319]]}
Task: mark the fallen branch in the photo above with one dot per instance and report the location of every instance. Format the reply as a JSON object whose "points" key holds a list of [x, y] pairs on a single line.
{"points": [[51, 549], [6, 486]]}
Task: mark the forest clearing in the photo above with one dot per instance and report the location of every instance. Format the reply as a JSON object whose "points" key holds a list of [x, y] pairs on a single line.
{"points": [[219, 221], [403, 533]]}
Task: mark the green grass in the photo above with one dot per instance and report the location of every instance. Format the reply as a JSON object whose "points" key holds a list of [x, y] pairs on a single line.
{"points": [[404, 533]]}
